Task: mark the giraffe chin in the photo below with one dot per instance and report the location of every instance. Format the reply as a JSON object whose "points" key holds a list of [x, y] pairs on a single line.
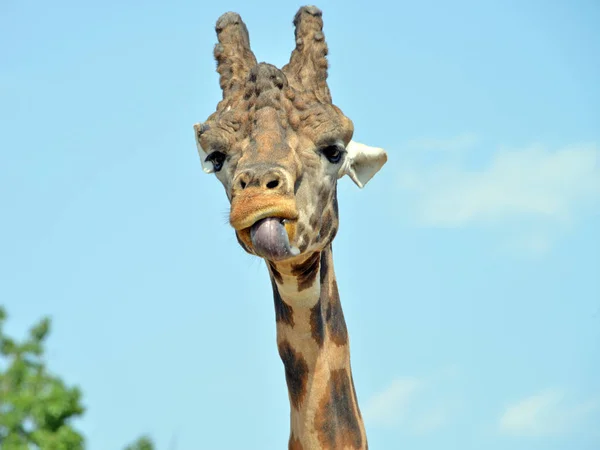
{"points": [[270, 240]]}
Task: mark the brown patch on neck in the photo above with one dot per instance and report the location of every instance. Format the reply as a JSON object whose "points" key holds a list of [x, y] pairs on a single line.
{"points": [[317, 328], [306, 272], [317, 325], [330, 300], [334, 317], [283, 312], [276, 274], [296, 372], [337, 421]]}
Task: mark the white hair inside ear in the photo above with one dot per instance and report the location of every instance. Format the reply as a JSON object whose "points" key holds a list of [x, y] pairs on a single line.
{"points": [[362, 162], [207, 166]]}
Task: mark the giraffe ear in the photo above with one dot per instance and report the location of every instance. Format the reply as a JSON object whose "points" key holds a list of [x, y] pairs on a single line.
{"points": [[362, 162], [207, 166]]}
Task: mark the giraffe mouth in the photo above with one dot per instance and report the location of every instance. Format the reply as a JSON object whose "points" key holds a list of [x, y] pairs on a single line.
{"points": [[254, 205], [270, 239], [265, 223]]}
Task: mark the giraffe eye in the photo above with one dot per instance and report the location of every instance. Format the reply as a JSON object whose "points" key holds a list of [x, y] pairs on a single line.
{"points": [[333, 153], [217, 159]]}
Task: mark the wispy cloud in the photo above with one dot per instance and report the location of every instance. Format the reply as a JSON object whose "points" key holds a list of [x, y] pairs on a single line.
{"points": [[418, 405], [390, 407], [536, 187], [547, 413], [530, 181]]}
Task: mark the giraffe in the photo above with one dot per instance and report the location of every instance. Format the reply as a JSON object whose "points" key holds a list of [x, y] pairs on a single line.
{"points": [[278, 145]]}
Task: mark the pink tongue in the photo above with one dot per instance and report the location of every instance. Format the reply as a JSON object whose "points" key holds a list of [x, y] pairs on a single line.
{"points": [[270, 240]]}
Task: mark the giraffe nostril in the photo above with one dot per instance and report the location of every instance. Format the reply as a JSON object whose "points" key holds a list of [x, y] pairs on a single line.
{"points": [[242, 181], [272, 184]]}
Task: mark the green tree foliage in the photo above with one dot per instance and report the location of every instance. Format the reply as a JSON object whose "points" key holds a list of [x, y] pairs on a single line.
{"points": [[36, 407], [143, 443]]}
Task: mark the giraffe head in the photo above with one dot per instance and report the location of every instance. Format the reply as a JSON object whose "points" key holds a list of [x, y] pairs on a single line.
{"points": [[278, 144]]}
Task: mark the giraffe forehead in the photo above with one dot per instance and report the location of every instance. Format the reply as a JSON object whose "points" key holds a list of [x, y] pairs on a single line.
{"points": [[272, 110], [269, 133]]}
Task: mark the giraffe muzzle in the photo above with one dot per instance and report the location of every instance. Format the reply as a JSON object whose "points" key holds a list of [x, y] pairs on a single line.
{"points": [[265, 222]]}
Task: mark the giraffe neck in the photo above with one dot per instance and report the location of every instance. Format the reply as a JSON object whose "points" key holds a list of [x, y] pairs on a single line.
{"points": [[313, 344]]}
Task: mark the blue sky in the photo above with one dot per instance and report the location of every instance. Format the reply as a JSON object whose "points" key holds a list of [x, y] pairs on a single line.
{"points": [[469, 268]]}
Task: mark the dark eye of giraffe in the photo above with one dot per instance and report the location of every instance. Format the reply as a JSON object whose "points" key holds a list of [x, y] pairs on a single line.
{"points": [[217, 159], [333, 153]]}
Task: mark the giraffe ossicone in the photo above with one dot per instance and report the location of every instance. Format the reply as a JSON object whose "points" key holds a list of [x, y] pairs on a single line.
{"points": [[278, 145]]}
